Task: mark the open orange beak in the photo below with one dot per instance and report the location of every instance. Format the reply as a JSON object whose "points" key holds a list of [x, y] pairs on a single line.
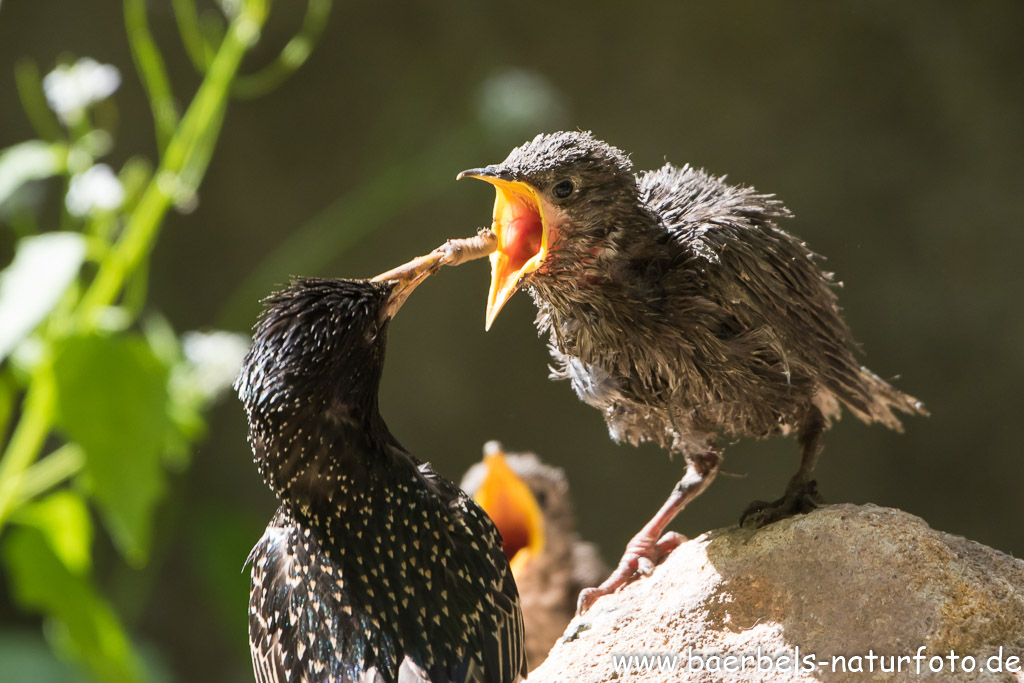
{"points": [[508, 501], [521, 223]]}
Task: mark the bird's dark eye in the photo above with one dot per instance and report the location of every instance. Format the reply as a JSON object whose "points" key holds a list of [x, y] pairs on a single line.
{"points": [[563, 189]]}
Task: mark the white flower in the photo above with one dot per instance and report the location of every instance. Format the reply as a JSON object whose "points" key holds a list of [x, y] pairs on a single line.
{"points": [[95, 189], [215, 359], [230, 8], [70, 89]]}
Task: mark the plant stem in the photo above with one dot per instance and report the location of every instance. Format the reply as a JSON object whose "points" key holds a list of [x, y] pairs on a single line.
{"points": [[48, 472], [27, 439], [151, 69], [30, 90], [191, 36], [143, 225], [8, 393], [291, 57]]}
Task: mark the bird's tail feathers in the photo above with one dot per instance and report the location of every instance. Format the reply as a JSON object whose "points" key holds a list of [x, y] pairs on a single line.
{"points": [[878, 399]]}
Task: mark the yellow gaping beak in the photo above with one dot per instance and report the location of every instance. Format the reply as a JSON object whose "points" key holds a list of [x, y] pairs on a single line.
{"points": [[508, 501], [522, 229]]}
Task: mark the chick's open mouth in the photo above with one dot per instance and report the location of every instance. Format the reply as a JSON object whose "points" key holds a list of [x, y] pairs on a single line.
{"points": [[514, 510], [522, 230], [519, 228]]}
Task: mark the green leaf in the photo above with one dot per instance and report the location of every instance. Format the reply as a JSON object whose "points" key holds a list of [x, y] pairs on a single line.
{"points": [[223, 539], [31, 160], [86, 627], [63, 520], [43, 268], [27, 659], [112, 400], [185, 404]]}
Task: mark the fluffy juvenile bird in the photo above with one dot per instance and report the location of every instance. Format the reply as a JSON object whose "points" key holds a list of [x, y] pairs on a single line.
{"points": [[530, 504], [375, 569], [676, 306]]}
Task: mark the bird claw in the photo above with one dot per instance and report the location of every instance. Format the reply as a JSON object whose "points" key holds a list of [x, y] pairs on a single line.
{"points": [[667, 543], [799, 499], [587, 598], [639, 559]]}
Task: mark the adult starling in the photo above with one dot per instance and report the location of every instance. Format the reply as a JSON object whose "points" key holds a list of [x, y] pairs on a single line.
{"points": [[530, 504], [375, 568], [677, 307]]}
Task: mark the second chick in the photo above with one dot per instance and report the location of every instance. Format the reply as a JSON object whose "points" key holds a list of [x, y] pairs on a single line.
{"points": [[530, 504]]}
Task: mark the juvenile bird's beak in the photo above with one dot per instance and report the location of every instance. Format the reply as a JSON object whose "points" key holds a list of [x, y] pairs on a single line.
{"points": [[508, 501], [521, 223]]}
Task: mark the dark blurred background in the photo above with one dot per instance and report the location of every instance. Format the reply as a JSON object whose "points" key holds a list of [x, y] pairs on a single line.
{"points": [[893, 131]]}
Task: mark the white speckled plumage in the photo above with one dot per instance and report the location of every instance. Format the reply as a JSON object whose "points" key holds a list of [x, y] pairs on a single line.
{"points": [[374, 569]]}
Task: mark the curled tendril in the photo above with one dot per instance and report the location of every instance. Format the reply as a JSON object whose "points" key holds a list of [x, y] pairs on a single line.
{"points": [[200, 45]]}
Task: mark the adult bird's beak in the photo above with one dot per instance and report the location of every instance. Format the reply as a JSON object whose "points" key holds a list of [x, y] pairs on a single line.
{"points": [[508, 501], [409, 275], [407, 278], [521, 223]]}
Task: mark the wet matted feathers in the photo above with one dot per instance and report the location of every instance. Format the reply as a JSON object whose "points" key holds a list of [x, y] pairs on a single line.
{"points": [[677, 307], [374, 568]]}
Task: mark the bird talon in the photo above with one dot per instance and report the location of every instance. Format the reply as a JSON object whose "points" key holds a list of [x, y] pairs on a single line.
{"points": [[667, 543], [639, 560], [799, 499], [587, 598]]}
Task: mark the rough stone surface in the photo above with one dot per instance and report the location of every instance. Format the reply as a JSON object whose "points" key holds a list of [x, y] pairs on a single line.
{"points": [[843, 580]]}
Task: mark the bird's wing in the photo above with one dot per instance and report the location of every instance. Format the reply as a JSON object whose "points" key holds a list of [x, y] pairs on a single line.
{"points": [[505, 649], [301, 626], [771, 295], [499, 630]]}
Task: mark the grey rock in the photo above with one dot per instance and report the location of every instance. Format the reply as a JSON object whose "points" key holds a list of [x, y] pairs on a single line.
{"points": [[844, 580]]}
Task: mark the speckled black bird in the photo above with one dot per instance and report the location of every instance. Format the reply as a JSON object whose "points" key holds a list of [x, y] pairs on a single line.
{"points": [[676, 306], [375, 568], [530, 503]]}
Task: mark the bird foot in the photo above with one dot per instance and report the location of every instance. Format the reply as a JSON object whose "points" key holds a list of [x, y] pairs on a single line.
{"points": [[800, 499], [642, 555]]}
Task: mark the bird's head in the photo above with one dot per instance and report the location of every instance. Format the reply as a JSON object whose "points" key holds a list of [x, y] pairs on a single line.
{"points": [[527, 500], [310, 381], [321, 342], [557, 198]]}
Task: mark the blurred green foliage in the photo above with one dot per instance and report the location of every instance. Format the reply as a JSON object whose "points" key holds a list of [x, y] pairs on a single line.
{"points": [[99, 398]]}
